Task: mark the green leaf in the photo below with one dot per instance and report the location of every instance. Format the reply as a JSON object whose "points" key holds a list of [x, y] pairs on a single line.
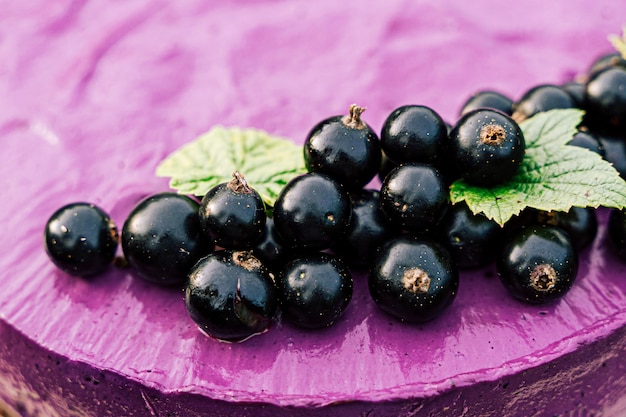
{"points": [[619, 42], [554, 176], [267, 162]]}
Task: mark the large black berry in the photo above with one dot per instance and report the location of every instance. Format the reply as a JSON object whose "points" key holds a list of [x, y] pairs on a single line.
{"points": [[162, 239], [230, 295], [414, 280], [344, 148], [415, 133], [414, 197], [487, 147], [312, 211], [538, 264], [81, 239], [314, 290], [232, 214]]}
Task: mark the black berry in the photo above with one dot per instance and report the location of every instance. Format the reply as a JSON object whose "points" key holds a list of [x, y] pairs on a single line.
{"points": [[81, 239], [538, 264], [487, 146], [414, 197], [232, 214], [314, 290], [605, 96], [415, 133], [542, 98], [311, 212], [344, 148], [616, 230], [162, 239], [230, 295], [414, 280]]}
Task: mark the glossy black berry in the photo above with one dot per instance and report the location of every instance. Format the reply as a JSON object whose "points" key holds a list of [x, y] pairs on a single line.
{"points": [[473, 240], [414, 197], [614, 147], [232, 214], [230, 295], [487, 147], [369, 229], [538, 264], [81, 239], [415, 133], [412, 279], [314, 290], [542, 98], [488, 99], [311, 212], [344, 148], [605, 103], [162, 239]]}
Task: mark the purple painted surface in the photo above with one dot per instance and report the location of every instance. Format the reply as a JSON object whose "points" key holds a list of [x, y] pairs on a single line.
{"points": [[93, 95]]}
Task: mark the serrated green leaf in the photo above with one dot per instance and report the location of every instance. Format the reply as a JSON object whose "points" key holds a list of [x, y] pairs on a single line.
{"points": [[267, 162], [554, 176]]}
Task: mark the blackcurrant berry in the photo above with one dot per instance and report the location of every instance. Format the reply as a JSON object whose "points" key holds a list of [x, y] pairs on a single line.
{"points": [[369, 228], [230, 295], [538, 264], [473, 240], [605, 100], [413, 279], [576, 90], [487, 99], [541, 98], [344, 148], [414, 197], [314, 290], [415, 133], [232, 214], [614, 147], [81, 239], [162, 239], [487, 146], [312, 211]]}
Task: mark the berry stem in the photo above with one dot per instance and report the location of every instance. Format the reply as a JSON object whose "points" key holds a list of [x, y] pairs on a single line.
{"points": [[239, 184], [353, 119]]}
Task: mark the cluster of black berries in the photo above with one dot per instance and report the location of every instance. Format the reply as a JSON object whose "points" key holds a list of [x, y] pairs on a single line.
{"points": [[241, 262]]}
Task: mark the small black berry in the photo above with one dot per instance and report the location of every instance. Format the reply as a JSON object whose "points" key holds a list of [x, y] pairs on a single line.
{"points": [[487, 99], [542, 98], [538, 264], [414, 197], [487, 147], [344, 148], [311, 212], [415, 133], [81, 239], [414, 280], [232, 214], [314, 290]]}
